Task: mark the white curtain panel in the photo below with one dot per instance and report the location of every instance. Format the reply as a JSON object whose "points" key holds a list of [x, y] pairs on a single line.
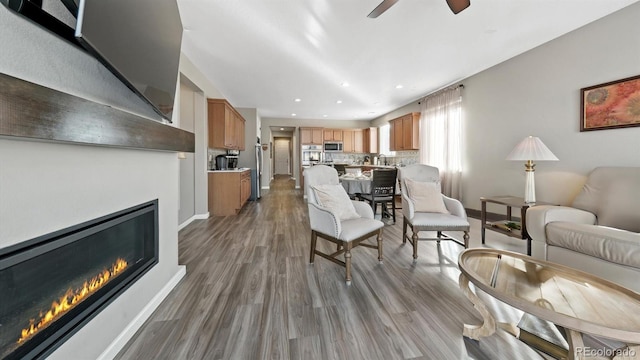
{"points": [[441, 137]]}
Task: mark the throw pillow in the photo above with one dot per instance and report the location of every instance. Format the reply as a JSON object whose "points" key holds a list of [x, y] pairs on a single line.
{"points": [[335, 198], [426, 196]]}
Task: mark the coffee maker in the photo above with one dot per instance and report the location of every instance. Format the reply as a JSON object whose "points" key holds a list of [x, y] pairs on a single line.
{"points": [[221, 162], [232, 159]]}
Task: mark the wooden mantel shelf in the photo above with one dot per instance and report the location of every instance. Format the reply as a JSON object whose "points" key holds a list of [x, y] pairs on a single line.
{"points": [[28, 110]]}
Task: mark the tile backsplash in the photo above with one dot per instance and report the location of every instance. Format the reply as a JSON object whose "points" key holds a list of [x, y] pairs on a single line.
{"points": [[401, 158]]}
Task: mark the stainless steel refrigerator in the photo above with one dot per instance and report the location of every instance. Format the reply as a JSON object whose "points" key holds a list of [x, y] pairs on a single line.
{"points": [[256, 174]]}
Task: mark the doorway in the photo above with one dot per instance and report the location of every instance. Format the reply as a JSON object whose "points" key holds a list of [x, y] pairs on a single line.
{"points": [[282, 156]]}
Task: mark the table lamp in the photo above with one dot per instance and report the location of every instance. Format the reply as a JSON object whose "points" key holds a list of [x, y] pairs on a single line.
{"points": [[530, 149]]}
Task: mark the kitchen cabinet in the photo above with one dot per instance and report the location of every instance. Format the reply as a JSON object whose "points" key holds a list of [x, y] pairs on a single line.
{"points": [[370, 140], [226, 125], [352, 141], [228, 191], [404, 132], [333, 135], [310, 136]]}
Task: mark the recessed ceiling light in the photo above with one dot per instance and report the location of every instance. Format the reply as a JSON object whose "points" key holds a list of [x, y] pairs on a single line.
{"points": [[344, 84], [281, 129], [297, 100], [325, 115], [399, 86], [293, 114], [339, 102]]}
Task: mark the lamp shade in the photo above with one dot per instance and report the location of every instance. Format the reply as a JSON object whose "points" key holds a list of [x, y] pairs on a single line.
{"points": [[531, 148]]}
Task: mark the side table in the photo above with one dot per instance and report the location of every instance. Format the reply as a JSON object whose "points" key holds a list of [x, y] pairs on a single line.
{"points": [[509, 202]]}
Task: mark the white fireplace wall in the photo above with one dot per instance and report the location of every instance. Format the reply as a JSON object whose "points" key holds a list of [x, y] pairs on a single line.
{"points": [[47, 186]]}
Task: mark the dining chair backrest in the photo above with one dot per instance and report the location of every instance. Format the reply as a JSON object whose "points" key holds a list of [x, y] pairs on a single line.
{"points": [[340, 168], [383, 182], [419, 172], [318, 175]]}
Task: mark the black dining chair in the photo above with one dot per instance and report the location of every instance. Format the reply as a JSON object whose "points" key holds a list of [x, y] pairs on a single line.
{"points": [[383, 191]]}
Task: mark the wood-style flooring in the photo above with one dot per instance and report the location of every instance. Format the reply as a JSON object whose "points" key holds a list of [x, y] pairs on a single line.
{"points": [[250, 293]]}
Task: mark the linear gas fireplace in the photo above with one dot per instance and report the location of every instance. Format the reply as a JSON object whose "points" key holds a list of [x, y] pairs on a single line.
{"points": [[52, 285]]}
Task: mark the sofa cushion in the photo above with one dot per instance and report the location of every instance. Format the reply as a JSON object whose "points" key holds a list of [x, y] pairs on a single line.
{"points": [[614, 245], [613, 195], [426, 196], [336, 199]]}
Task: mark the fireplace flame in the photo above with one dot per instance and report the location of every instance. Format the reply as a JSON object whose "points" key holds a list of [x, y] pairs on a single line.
{"points": [[71, 298]]}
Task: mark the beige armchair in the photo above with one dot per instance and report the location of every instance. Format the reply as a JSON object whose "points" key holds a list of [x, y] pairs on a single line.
{"points": [[599, 233], [424, 208], [336, 218]]}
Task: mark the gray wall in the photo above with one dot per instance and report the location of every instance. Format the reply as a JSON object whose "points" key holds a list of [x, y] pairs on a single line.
{"points": [[538, 93], [187, 165], [193, 76], [403, 110], [247, 157], [49, 186]]}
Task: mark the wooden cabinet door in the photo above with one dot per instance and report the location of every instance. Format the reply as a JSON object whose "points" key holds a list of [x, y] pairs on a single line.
{"points": [[358, 141], [311, 136], [240, 133], [306, 136], [411, 131], [327, 135], [392, 137], [370, 140], [229, 128], [338, 135], [226, 125], [397, 134], [333, 135], [316, 136], [245, 188], [347, 141]]}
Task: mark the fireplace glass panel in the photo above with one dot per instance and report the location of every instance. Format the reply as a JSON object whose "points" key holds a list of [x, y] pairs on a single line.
{"points": [[60, 281]]}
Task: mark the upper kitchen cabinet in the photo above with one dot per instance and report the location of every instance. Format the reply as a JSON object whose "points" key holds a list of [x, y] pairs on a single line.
{"points": [[370, 140], [404, 132], [352, 141], [226, 125], [333, 135], [310, 136]]}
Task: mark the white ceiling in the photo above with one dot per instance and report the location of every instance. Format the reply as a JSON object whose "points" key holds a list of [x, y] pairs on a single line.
{"points": [[265, 53]]}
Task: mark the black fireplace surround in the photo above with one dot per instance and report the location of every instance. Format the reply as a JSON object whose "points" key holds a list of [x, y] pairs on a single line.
{"points": [[52, 285]]}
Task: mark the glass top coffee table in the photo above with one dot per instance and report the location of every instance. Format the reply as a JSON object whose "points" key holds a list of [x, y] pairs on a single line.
{"points": [[578, 301]]}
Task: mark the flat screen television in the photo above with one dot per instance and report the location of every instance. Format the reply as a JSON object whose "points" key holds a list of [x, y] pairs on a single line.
{"points": [[138, 40]]}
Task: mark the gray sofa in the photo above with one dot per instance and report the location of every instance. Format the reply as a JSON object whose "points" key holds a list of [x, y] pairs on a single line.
{"points": [[599, 233]]}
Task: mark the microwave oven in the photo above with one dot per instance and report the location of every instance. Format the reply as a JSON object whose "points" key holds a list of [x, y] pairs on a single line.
{"points": [[333, 147]]}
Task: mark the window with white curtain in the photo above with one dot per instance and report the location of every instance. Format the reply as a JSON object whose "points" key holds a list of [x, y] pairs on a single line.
{"points": [[441, 137], [384, 140]]}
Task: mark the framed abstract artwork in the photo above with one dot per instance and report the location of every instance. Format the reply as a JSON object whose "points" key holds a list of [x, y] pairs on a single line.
{"points": [[611, 105]]}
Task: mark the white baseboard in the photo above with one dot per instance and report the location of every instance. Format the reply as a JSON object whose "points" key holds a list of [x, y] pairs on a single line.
{"points": [[297, 187], [190, 220], [265, 188], [112, 350]]}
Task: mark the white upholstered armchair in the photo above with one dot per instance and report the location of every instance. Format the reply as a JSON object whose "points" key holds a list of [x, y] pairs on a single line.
{"points": [[335, 217], [424, 208]]}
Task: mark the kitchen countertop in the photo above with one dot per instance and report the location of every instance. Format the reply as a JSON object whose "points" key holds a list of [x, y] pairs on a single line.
{"points": [[232, 170], [372, 166]]}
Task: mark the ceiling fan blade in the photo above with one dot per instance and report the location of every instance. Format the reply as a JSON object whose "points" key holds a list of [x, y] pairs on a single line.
{"points": [[458, 5], [382, 7]]}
